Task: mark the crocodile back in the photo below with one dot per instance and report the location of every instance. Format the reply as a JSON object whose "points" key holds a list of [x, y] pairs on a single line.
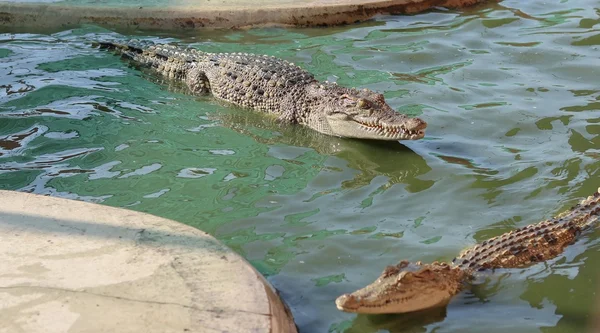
{"points": [[256, 81], [533, 243], [260, 82]]}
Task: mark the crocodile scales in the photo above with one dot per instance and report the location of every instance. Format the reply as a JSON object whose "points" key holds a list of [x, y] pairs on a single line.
{"points": [[268, 84], [407, 287]]}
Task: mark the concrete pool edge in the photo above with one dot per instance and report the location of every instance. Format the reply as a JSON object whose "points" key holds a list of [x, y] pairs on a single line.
{"points": [[111, 269], [304, 13]]}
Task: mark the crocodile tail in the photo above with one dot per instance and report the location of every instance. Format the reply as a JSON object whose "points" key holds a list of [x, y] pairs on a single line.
{"points": [[128, 49], [169, 60]]}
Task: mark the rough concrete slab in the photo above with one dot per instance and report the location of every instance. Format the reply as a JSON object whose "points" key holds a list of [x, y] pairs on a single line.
{"points": [[70, 266], [193, 14]]}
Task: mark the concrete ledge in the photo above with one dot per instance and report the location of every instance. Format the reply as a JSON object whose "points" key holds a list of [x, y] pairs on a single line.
{"points": [[70, 266], [203, 14]]}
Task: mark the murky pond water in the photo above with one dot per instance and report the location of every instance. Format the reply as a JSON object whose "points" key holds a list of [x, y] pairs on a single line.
{"points": [[511, 95]]}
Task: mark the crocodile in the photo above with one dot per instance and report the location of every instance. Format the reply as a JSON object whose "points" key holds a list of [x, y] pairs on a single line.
{"points": [[275, 86], [408, 287]]}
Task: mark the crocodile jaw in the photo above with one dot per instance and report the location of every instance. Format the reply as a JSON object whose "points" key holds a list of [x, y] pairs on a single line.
{"points": [[358, 114], [376, 303], [390, 129], [405, 288]]}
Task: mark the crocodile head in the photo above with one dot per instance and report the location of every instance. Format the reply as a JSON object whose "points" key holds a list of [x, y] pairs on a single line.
{"points": [[363, 114], [405, 287]]}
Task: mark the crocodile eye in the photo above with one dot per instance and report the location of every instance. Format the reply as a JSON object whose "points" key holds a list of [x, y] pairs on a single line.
{"points": [[363, 104], [405, 277]]}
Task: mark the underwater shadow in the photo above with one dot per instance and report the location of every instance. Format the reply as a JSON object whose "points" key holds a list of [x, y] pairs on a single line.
{"points": [[373, 158], [414, 322]]}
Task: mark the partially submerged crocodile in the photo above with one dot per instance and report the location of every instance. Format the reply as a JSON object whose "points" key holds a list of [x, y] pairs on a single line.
{"points": [[278, 87], [408, 287]]}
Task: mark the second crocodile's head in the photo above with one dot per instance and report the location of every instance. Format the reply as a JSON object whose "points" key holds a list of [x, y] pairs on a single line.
{"points": [[361, 114], [405, 287]]}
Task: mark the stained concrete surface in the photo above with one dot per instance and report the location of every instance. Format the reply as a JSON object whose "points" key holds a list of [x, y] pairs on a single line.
{"points": [[71, 266], [194, 14]]}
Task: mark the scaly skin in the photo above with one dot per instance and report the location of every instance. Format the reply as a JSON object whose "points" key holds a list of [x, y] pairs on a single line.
{"points": [[276, 86], [410, 287]]}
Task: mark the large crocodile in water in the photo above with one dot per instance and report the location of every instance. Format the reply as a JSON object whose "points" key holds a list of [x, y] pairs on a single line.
{"points": [[275, 86], [408, 287]]}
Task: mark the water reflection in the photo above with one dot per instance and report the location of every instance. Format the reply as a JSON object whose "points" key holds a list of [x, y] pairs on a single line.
{"points": [[406, 323], [397, 162]]}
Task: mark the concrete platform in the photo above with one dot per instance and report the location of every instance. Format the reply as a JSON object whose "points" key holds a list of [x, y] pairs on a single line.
{"points": [[193, 14], [70, 266]]}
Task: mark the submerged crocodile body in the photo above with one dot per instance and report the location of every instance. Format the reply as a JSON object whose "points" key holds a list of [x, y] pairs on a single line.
{"points": [[408, 287], [275, 86]]}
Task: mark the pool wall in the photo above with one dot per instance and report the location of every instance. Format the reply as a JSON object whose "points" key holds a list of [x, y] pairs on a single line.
{"points": [[106, 269], [203, 14]]}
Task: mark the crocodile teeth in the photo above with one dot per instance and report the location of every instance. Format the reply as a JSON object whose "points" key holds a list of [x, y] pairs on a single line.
{"points": [[398, 132]]}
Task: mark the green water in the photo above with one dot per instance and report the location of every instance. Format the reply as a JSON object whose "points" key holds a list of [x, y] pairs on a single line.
{"points": [[510, 92]]}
